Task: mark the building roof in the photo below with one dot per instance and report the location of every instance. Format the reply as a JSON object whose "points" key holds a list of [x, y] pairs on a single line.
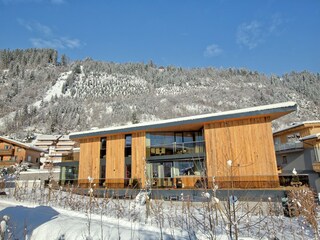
{"points": [[52, 137], [20, 144], [309, 137], [273, 110], [297, 124]]}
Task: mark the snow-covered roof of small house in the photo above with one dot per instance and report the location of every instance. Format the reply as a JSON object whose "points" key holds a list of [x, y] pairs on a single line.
{"points": [[65, 143], [43, 143], [53, 137], [297, 124], [63, 148], [274, 110], [20, 144]]}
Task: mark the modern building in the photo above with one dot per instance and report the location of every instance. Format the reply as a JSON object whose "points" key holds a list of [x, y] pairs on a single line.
{"points": [[232, 149], [298, 154], [12, 152]]}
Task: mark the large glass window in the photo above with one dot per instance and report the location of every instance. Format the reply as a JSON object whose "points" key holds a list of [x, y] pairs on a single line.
{"points": [[128, 146], [186, 168], [161, 170], [127, 154], [176, 168], [170, 143], [103, 147], [161, 139], [69, 175]]}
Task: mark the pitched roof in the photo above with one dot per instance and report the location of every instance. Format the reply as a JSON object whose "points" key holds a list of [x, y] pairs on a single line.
{"points": [[295, 125], [312, 136], [52, 137], [275, 110], [20, 144]]}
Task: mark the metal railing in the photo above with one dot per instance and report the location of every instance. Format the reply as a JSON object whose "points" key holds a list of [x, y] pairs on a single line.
{"points": [[189, 182], [176, 148], [115, 183], [182, 182], [288, 146]]}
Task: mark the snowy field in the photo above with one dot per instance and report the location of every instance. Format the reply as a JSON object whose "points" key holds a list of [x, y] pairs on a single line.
{"points": [[44, 222], [44, 213]]}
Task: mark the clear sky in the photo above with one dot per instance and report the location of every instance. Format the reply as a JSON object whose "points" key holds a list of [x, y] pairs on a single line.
{"points": [[268, 36]]}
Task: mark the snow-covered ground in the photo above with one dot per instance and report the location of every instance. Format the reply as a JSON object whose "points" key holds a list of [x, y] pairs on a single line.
{"points": [[31, 221], [44, 222], [42, 213]]}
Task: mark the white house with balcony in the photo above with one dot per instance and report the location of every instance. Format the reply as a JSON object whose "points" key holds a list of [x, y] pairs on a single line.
{"points": [[57, 148]]}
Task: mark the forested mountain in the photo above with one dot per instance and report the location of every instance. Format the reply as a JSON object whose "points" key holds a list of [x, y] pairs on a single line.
{"points": [[40, 92]]}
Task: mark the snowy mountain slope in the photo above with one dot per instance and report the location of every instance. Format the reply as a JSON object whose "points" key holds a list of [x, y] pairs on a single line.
{"points": [[55, 98]]}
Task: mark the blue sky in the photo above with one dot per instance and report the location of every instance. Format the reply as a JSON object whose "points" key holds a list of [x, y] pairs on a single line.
{"points": [[273, 37]]}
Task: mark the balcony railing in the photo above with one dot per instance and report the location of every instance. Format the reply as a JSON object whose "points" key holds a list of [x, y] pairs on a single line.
{"points": [[183, 182], [289, 146], [6, 152], [176, 148]]}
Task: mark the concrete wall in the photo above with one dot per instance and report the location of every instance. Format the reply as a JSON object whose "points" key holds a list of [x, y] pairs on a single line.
{"points": [[302, 162], [39, 175]]}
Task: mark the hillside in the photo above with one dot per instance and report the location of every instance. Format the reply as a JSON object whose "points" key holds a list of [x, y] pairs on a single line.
{"points": [[39, 94]]}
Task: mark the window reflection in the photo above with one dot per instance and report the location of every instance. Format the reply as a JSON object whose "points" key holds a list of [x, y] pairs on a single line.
{"points": [[176, 168], [103, 147], [171, 143]]}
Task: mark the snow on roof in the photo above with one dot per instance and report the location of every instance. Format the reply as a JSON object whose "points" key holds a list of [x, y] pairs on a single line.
{"points": [[312, 136], [47, 137], [66, 143], [63, 149], [20, 144], [297, 124], [43, 143], [53, 137], [253, 111]]}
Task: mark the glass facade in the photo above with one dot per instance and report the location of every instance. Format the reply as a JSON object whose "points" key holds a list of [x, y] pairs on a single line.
{"points": [[128, 139], [173, 169], [103, 152], [127, 155], [103, 148], [69, 174], [172, 156], [172, 143]]}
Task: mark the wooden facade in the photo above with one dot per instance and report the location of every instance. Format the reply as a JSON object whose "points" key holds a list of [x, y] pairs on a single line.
{"points": [[244, 137], [139, 156], [249, 144], [12, 152], [89, 164]]}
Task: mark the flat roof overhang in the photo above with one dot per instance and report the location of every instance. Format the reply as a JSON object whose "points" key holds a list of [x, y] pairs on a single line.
{"points": [[273, 111]]}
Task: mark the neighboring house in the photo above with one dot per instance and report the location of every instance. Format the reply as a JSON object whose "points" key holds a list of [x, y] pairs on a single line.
{"points": [[298, 147], [12, 152], [57, 147], [185, 152]]}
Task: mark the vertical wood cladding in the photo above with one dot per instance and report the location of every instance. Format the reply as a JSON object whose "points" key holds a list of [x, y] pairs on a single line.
{"points": [[248, 143], [138, 156], [89, 162], [115, 157]]}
